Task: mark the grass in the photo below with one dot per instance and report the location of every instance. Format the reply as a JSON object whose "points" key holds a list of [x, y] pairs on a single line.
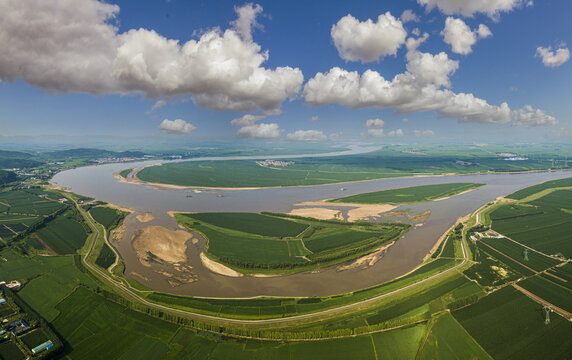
{"points": [[408, 195], [489, 271], [526, 192], [543, 226], [448, 340], [508, 325], [543, 287], [125, 172], [63, 235], [252, 242]]}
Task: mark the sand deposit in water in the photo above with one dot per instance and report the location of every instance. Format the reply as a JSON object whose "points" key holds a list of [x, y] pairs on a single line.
{"points": [[317, 213], [159, 244], [145, 218]]}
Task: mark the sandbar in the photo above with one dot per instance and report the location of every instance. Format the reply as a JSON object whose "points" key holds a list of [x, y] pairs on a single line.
{"points": [[367, 260], [164, 244], [360, 211], [317, 213], [218, 268], [146, 217]]}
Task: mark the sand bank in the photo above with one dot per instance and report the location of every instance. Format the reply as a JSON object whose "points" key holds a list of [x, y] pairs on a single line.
{"points": [[367, 260], [159, 243], [144, 218], [218, 268], [317, 213], [360, 211]]}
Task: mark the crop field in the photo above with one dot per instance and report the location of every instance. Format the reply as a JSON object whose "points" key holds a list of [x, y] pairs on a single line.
{"points": [[10, 351], [58, 277], [489, 271], [63, 235], [408, 195], [106, 257], [516, 251], [252, 223], [561, 275], [125, 172], [544, 227], [448, 340], [513, 265], [509, 325], [93, 325], [383, 163], [403, 306], [543, 287], [14, 266], [105, 216], [526, 192], [34, 338], [251, 241]]}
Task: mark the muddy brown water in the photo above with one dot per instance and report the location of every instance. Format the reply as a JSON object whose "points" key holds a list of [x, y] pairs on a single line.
{"points": [[406, 254]]}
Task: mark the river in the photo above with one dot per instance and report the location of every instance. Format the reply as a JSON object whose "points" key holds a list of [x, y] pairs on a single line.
{"points": [[408, 252]]}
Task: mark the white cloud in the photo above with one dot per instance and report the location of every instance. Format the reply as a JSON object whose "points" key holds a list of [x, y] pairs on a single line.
{"points": [[247, 19], [74, 46], [307, 135], [416, 32], [461, 38], [259, 131], [423, 133], [395, 133], [418, 89], [530, 117], [314, 118], [245, 120], [553, 58], [367, 41], [408, 15], [374, 127], [468, 8], [158, 104], [178, 127]]}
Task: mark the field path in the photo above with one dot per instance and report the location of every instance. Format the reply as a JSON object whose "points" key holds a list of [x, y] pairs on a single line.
{"points": [[52, 252], [543, 302]]}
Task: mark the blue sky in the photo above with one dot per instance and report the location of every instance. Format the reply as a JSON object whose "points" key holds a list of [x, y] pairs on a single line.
{"points": [[83, 67]]}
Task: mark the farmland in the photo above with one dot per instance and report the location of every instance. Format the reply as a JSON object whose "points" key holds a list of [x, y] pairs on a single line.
{"points": [[106, 216], [409, 195], [384, 163], [541, 223], [523, 193], [64, 235], [508, 325], [545, 288], [448, 340], [266, 242], [21, 211]]}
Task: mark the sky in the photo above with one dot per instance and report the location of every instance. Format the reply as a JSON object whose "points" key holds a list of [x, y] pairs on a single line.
{"points": [[288, 71]]}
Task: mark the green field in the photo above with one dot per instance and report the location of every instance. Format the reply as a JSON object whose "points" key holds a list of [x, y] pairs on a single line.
{"points": [[448, 340], [262, 242], [540, 224], [516, 251], [106, 257], [252, 223], [106, 216], [125, 172], [398, 160], [10, 351], [508, 325], [34, 338], [545, 288], [526, 192], [63, 235], [408, 195]]}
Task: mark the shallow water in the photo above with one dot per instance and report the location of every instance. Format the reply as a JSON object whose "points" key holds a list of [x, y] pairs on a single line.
{"points": [[408, 252]]}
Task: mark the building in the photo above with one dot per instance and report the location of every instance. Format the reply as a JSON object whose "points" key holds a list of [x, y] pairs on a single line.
{"points": [[45, 346]]}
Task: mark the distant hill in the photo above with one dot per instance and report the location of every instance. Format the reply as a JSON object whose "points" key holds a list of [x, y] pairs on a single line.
{"points": [[88, 153], [7, 176], [17, 159]]}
